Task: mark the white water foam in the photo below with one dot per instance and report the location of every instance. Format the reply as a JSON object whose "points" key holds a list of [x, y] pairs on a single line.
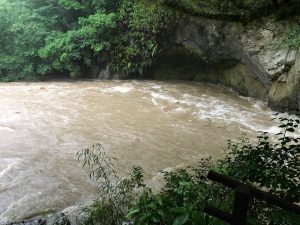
{"points": [[121, 89], [206, 107], [9, 167], [164, 97]]}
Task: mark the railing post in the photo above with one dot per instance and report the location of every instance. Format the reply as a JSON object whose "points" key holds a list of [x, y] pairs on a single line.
{"points": [[243, 194], [240, 207]]}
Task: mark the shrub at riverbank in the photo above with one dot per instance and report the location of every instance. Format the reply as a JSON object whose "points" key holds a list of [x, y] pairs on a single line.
{"points": [[271, 163]]}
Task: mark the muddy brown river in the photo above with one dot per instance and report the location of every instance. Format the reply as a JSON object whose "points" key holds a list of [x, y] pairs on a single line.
{"points": [[157, 125]]}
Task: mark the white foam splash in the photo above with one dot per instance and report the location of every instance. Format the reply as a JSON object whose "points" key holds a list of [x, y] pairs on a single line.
{"points": [[164, 97], [209, 107], [121, 89], [154, 101], [10, 165], [7, 129], [156, 87]]}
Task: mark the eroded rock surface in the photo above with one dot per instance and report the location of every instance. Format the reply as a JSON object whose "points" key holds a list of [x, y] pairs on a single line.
{"points": [[249, 58]]}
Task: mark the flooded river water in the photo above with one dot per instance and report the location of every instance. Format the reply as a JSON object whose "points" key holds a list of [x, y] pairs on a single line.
{"points": [[154, 124]]}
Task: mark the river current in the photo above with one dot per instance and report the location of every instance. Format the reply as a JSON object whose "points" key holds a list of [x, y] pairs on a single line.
{"points": [[157, 125]]}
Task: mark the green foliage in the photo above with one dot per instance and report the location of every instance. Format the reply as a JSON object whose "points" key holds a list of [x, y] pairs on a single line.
{"points": [[74, 36], [79, 47], [241, 10], [180, 201], [274, 166], [292, 38], [116, 195], [40, 37], [271, 164], [27, 25], [75, 50], [140, 30], [90, 6]]}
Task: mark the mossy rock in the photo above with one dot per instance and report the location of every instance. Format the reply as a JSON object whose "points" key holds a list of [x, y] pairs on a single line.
{"points": [[240, 80]]}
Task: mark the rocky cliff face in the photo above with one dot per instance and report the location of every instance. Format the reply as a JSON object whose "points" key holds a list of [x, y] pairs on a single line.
{"points": [[249, 58]]}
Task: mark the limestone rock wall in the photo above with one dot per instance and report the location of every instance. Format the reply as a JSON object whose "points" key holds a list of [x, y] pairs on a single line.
{"points": [[249, 58]]}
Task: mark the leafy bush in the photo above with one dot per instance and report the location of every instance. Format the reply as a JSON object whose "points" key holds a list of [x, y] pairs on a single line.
{"points": [[76, 37], [181, 200], [75, 50], [292, 38], [116, 195], [270, 164], [274, 166], [22, 33], [223, 9], [139, 35]]}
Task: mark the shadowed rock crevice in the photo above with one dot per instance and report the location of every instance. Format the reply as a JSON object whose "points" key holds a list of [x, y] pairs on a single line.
{"points": [[247, 58]]}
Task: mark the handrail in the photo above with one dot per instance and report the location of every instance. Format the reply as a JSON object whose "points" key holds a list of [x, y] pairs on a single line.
{"points": [[243, 195]]}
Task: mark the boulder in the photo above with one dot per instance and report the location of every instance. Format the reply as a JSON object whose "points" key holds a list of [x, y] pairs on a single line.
{"points": [[104, 74], [51, 219]]}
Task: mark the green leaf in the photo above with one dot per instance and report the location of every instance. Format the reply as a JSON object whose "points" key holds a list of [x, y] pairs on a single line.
{"points": [[180, 220], [197, 217], [179, 210], [132, 212], [144, 217], [160, 212]]}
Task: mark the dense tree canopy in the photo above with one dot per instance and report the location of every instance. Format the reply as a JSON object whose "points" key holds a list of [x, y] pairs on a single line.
{"points": [[73, 36], [27, 25], [242, 10]]}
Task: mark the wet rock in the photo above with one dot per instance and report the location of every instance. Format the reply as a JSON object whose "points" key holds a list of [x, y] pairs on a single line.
{"points": [[257, 46], [285, 91], [104, 74], [58, 219], [284, 57], [277, 71], [291, 58], [35, 221], [94, 71], [53, 219], [282, 79], [280, 57]]}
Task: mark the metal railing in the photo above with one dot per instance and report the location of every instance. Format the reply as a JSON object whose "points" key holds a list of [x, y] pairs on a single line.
{"points": [[243, 194]]}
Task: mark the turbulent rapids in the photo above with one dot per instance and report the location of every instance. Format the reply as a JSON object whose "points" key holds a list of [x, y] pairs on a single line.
{"points": [[157, 125]]}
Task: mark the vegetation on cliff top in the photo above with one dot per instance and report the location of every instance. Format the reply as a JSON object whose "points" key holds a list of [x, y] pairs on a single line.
{"points": [[292, 38], [238, 10], [74, 37]]}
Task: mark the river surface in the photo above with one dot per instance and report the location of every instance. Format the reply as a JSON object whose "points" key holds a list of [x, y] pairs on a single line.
{"points": [[157, 125]]}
